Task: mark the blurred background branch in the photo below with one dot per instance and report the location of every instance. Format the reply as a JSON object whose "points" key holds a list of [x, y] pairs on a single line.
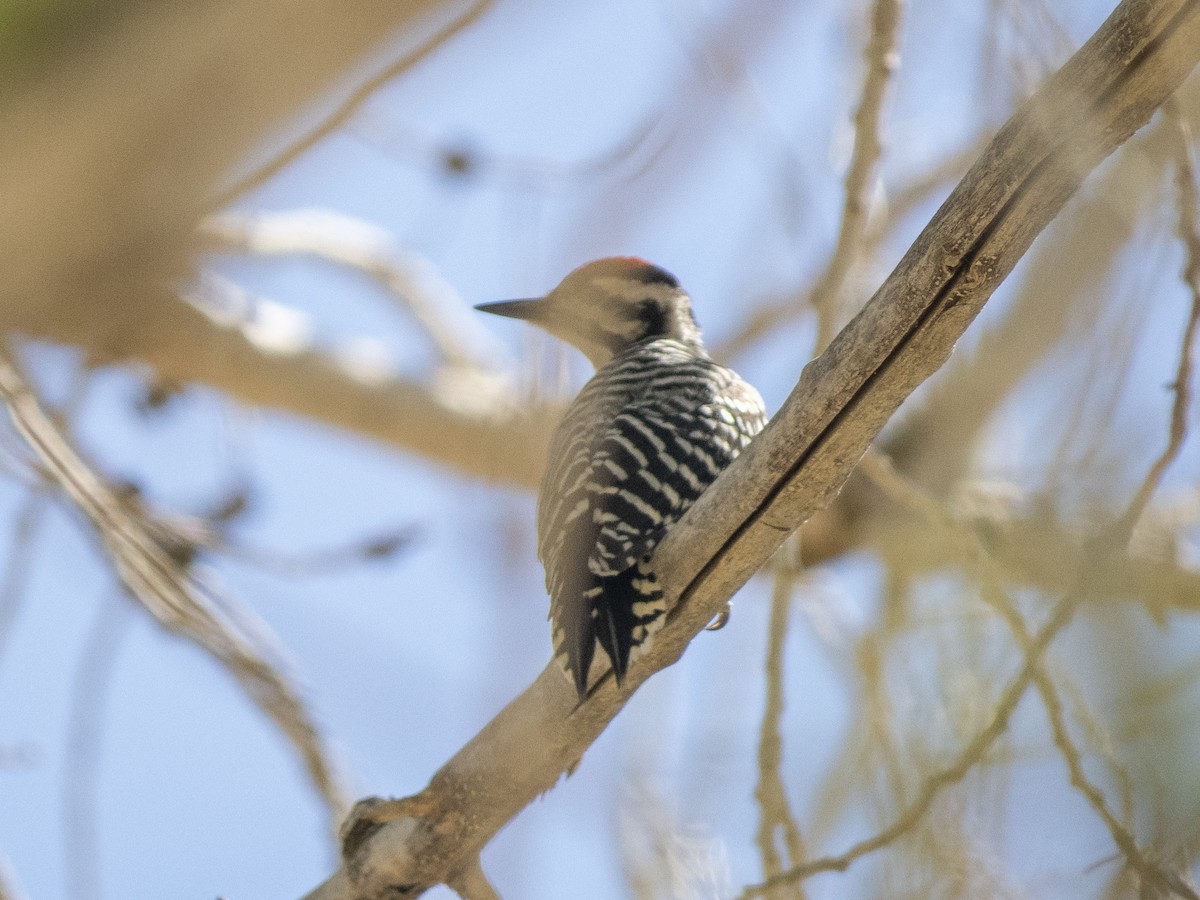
{"points": [[155, 572]]}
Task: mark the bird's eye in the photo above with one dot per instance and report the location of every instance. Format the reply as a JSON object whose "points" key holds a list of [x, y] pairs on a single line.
{"points": [[652, 316]]}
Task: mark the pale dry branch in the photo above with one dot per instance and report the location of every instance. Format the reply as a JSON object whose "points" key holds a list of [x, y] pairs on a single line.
{"points": [[882, 57], [26, 524], [166, 589], [1033, 647], [1150, 872], [776, 820], [8, 881], [933, 443], [974, 553], [967, 759], [81, 779], [106, 167], [869, 745], [350, 106], [1152, 875], [1039, 553], [263, 353], [410, 278], [110, 159], [19, 561], [1083, 112]]}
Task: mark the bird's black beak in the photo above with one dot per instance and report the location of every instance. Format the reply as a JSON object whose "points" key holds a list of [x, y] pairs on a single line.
{"points": [[530, 310]]}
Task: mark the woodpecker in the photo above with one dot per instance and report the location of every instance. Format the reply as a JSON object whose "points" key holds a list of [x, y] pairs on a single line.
{"points": [[647, 434]]}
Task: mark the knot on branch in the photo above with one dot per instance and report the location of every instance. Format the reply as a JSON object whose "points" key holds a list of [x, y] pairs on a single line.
{"points": [[397, 865]]}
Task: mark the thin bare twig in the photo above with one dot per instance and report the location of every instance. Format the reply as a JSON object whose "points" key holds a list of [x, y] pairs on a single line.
{"points": [[882, 56], [80, 786], [912, 497], [20, 561], [25, 528], [410, 278], [185, 537], [1189, 233], [166, 589], [775, 814], [1101, 740], [969, 757], [323, 560], [348, 108], [1122, 530], [1149, 870]]}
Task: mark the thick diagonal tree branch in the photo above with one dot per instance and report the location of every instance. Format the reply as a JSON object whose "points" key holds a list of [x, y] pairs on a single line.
{"points": [[1080, 115]]}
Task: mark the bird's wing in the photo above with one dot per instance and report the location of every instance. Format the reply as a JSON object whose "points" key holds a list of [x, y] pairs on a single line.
{"points": [[619, 495]]}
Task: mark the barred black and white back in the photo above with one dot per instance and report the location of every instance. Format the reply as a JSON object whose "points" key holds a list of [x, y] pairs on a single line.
{"points": [[647, 434]]}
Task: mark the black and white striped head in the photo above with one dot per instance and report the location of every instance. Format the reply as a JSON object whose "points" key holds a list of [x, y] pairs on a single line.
{"points": [[608, 305]]}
